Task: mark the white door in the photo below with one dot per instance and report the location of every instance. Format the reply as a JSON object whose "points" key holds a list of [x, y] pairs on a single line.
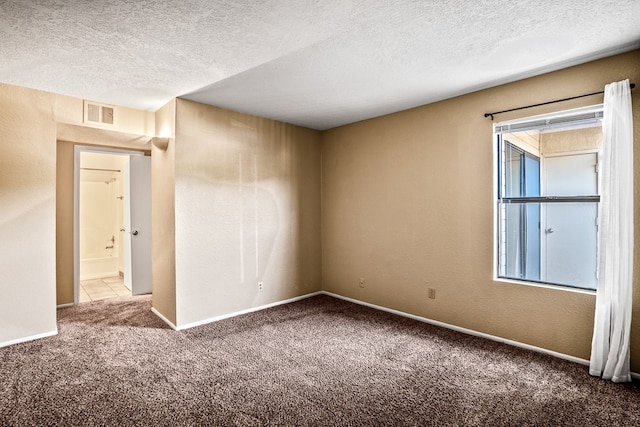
{"points": [[137, 225], [569, 229]]}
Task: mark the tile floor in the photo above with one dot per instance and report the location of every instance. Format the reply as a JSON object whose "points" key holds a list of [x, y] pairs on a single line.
{"points": [[106, 287]]}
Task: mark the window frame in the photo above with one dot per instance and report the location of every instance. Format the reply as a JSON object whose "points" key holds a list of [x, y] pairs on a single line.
{"points": [[560, 120]]}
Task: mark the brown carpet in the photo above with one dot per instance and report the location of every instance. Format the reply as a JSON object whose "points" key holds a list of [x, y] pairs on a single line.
{"points": [[320, 361]]}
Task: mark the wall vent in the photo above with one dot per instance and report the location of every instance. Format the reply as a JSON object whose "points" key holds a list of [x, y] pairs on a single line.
{"points": [[99, 114]]}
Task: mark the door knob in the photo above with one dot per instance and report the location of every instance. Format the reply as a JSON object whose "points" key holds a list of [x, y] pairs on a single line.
{"points": [[549, 230], [134, 232]]}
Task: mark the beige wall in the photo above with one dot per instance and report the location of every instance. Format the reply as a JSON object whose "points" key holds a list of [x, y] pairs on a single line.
{"points": [[542, 144], [247, 209], [130, 135], [163, 214], [27, 216], [36, 246], [570, 141], [64, 222], [408, 205]]}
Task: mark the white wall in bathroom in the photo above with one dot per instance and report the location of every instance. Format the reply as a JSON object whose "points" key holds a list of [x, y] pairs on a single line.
{"points": [[101, 215]]}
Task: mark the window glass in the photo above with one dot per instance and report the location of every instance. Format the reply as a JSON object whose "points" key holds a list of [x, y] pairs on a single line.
{"points": [[547, 201]]}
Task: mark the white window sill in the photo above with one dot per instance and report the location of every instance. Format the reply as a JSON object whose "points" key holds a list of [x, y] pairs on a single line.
{"points": [[546, 286]]}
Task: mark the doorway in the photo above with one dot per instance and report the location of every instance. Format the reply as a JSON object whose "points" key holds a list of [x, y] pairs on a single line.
{"points": [[101, 226], [112, 248]]}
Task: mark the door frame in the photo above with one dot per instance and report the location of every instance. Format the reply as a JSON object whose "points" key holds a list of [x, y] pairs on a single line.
{"points": [[77, 150]]}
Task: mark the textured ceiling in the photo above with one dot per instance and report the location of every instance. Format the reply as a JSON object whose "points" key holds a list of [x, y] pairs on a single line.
{"points": [[314, 63]]}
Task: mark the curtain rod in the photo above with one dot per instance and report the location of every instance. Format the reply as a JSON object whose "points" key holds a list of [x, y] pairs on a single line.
{"points": [[632, 85]]}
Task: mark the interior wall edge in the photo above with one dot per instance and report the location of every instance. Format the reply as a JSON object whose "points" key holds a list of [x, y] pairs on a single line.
{"points": [[261, 179], [164, 319], [163, 214]]}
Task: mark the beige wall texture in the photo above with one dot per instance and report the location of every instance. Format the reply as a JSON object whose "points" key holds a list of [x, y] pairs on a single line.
{"points": [[64, 222], [247, 210], [544, 144], [570, 141], [163, 247], [27, 216], [408, 205], [131, 134], [405, 202], [36, 245]]}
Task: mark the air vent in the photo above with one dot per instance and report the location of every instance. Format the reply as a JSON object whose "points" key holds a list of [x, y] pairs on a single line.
{"points": [[99, 114]]}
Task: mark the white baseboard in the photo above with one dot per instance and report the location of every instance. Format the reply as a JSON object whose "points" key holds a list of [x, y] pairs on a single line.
{"points": [[70, 304], [164, 319], [464, 330], [241, 312], [30, 338], [563, 356]]}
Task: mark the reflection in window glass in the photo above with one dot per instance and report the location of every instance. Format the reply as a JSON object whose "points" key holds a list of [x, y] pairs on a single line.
{"points": [[548, 203]]}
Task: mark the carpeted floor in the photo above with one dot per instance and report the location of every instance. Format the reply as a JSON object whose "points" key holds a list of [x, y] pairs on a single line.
{"points": [[320, 361]]}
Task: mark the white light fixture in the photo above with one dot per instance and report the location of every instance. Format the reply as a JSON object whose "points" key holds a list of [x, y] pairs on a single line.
{"points": [[160, 143]]}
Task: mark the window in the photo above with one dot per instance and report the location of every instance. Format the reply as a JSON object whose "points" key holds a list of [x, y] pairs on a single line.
{"points": [[547, 198]]}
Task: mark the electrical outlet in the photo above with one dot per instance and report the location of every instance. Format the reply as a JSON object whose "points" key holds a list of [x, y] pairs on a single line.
{"points": [[432, 293], [362, 282], [260, 286]]}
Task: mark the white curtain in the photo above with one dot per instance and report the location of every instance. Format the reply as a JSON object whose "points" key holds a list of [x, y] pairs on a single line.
{"points": [[612, 328]]}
